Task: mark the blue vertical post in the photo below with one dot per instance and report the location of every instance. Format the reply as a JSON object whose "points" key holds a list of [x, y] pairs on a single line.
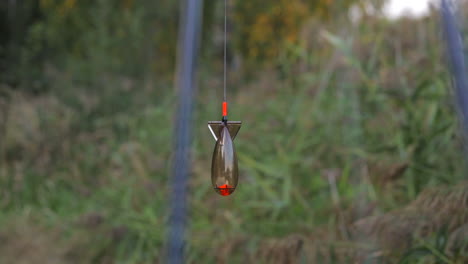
{"points": [[456, 59], [189, 29]]}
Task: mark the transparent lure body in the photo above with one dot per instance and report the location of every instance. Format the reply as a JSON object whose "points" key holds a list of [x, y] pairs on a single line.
{"points": [[224, 170]]}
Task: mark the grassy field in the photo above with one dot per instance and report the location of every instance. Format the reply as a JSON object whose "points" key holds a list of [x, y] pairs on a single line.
{"points": [[349, 152]]}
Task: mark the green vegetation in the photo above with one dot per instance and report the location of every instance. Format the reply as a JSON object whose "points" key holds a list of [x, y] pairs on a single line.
{"points": [[349, 133]]}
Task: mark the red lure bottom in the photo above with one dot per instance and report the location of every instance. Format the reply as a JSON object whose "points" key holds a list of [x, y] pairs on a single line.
{"points": [[225, 189], [224, 169]]}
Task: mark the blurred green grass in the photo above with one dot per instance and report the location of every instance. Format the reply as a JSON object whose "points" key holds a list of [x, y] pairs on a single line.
{"points": [[350, 123]]}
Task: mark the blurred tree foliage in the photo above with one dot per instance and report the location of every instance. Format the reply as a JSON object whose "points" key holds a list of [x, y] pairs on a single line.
{"points": [[16, 19], [125, 37], [263, 27], [133, 37]]}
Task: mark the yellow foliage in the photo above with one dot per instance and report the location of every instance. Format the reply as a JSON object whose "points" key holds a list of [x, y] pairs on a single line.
{"points": [[272, 28], [264, 27], [45, 3], [127, 4], [61, 7], [66, 6]]}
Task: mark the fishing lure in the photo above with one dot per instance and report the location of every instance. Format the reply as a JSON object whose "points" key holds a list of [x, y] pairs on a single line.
{"points": [[224, 166]]}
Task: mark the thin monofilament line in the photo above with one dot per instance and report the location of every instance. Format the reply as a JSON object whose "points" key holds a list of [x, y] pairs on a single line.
{"points": [[225, 44]]}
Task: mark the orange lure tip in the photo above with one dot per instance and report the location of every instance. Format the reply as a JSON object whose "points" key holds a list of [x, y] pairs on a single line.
{"points": [[225, 108]]}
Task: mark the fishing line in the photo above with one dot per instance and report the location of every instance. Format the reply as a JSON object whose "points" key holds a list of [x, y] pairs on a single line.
{"points": [[225, 48], [225, 106]]}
